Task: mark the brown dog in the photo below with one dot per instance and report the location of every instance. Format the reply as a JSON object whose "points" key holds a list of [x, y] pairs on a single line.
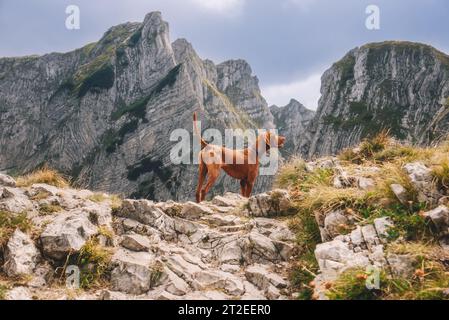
{"points": [[241, 167]]}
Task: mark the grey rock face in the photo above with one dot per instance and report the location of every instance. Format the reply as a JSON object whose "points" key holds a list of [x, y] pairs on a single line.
{"points": [[104, 113], [400, 193], [400, 86]]}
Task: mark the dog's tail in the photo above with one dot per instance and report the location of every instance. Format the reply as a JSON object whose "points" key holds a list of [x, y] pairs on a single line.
{"points": [[204, 144]]}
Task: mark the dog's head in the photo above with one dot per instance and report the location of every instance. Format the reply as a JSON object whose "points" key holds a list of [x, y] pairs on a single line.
{"points": [[272, 140]]}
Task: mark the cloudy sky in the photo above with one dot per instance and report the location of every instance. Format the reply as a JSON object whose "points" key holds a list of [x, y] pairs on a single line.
{"points": [[289, 43]]}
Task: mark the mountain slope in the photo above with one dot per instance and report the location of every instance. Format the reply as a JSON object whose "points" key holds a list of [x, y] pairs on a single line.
{"points": [[399, 86], [103, 114]]}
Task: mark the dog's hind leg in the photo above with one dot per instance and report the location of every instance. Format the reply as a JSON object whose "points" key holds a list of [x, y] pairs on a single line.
{"points": [[202, 175], [212, 176], [249, 189], [243, 184]]}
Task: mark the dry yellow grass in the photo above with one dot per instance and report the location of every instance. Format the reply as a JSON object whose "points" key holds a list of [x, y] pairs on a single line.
{"points": [[325, 198], [291, 172], [44, 175]]}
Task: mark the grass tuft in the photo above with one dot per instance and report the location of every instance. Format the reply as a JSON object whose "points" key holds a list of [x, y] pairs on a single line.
{"points": [[93, 261], [46, 209], [98, 197], [378, 143], [44, 175]]}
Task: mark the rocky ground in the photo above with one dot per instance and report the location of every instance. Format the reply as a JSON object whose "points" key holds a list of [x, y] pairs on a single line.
{"points": [[341, 219], [383, 211], [229, 248]]}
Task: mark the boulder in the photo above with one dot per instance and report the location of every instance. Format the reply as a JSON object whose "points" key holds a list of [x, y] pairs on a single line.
{"points": [[222, 220], [262, 249], [21, 255], [270, 204], [366, 183], [344, 181], [334, 223], [263, 278], [230, 200], [7, 181], [439, 218], [402, 265], [14, 200], [133, 272], [383, 226], [146, 212], [192, 210], [171, 208], [67, 233], [175, 284], [422, 179], [135, 242], [400, 193]]}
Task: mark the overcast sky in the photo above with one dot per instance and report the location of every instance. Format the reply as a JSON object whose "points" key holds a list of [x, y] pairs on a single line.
{"points": [[289, 43]]}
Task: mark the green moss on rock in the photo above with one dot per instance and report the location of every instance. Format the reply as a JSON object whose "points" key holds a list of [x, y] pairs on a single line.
{"points": [[135, 37], [138, 108], [149, 165], [99, 79]]}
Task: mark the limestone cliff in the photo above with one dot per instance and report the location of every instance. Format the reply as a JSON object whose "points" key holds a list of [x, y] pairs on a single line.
{"points": [[398, 86]]}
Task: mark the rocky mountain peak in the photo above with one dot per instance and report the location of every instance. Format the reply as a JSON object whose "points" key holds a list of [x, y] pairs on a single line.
{"points": [[103, 114], [153, 24], [397, 86]]}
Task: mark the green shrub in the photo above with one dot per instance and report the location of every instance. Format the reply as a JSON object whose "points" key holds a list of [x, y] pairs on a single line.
{"points": [[135, 37], [102, 78]]}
